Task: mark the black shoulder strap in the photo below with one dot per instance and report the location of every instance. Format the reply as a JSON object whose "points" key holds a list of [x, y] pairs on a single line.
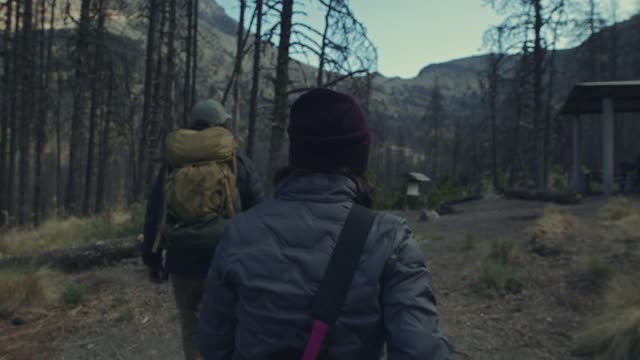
{"points": [[342, 265]]}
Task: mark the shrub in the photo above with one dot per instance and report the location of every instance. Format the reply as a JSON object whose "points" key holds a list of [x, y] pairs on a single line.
{"points": [[23, 286], [496, 272], [445, 190], [549, 234], [74, 294], [499, 277], [614, 335], [616, 209]]}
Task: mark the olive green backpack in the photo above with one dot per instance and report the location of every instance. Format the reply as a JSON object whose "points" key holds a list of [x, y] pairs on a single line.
{"points": [[200, 194]]}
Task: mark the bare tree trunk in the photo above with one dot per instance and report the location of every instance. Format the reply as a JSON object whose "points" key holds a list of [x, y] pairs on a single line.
{"points": [[170, 85], [186, 110], [103, 156], [58, 145], [74, 178], [26, 118], [323, 47], [44, 105], [255, 83], [281, 102], [538, 73], [13, 115], [159, 99], [238, 70], [143, 160], [96, 95], [494, 78], [5, 115], [194, 66]]}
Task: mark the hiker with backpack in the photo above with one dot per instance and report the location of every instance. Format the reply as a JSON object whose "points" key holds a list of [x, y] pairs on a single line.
{"points": [[202, 185], [315, 273]]}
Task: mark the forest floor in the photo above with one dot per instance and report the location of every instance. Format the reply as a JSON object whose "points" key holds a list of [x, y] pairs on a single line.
{"points": [[123, 316]]}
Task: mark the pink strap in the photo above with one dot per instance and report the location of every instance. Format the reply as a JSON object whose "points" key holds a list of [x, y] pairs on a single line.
{"points": [[318, 332]]}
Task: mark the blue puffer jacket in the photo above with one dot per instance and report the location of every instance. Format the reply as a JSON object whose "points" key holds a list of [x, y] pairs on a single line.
{"points": [[269, 265]]}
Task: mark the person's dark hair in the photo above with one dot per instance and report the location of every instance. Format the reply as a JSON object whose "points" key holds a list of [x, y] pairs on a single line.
{"points": [[365, 191], [200, 125]]}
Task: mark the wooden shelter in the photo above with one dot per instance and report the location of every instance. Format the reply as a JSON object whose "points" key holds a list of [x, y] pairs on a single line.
{"points": [[607, 99]]}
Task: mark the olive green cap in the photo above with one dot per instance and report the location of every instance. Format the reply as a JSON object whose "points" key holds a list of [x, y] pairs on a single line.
{"points": [[207, 113]]}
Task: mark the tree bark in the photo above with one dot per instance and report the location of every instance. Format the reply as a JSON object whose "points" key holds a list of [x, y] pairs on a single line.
{"points": [[103, 157], [96, 90], [186, 110], [13, 115], [143, 161], [194, 66], [58, 146], [38, 207], [170, 85], [538, 73], [323, 47], [238, 70], [74, 178], [281, 104], [159, 97], [255, 83], [26, 112], [5, 115]]}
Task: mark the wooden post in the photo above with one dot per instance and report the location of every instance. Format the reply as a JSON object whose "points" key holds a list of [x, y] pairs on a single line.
{"points": [[607, 145]]}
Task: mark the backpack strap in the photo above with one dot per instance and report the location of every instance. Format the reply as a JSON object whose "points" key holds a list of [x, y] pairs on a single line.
{"points": [[338, 277]]}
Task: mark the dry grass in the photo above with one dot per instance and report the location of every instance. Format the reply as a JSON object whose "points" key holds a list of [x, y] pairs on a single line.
{"points": [[615, 334], [617, 209], [552, 231], [594, 271], [71, 232], [496, 271], [622, 218], [24, 287]]}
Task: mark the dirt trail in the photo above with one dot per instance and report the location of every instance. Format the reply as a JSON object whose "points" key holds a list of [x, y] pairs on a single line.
{"points": [[126, 317]]}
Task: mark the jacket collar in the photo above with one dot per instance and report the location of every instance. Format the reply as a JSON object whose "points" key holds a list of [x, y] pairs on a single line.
{"points": [[326, 188]]}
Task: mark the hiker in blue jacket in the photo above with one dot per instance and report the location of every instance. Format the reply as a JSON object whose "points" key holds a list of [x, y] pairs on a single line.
{"points": [[267, 269], [188, 267]]}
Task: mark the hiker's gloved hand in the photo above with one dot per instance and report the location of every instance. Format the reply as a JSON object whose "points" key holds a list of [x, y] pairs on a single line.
{"points": [[158, 275]]}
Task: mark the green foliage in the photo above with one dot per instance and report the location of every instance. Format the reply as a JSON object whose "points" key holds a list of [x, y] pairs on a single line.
{"points": [[496, 272], [388, 199], [499, 277], [558, 179], [74, 294], [445, 190]]}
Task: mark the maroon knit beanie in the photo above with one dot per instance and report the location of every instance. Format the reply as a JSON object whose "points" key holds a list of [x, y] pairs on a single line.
{"points": [[328, 131]]}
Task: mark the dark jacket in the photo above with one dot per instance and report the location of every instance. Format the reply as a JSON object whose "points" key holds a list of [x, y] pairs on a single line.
{"points": [[268, 267], [189, 264]]}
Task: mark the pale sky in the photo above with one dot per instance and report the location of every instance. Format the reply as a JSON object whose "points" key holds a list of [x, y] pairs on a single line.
{"points": [[411, 34]]}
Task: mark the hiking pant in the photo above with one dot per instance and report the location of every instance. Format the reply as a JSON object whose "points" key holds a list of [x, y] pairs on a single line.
{"points": [[188, 293]]}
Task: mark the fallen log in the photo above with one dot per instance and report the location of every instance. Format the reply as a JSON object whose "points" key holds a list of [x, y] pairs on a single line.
{"points": [[563, 198], [462, 200], [79, 258]]}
